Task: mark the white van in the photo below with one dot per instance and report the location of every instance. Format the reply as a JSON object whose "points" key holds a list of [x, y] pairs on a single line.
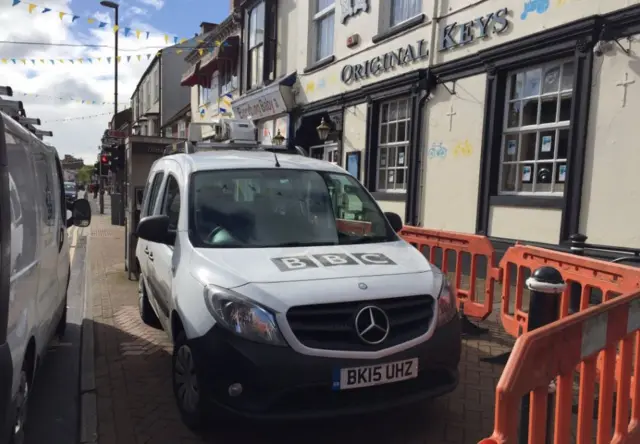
{"points": [[34, 264], [286, 290]]}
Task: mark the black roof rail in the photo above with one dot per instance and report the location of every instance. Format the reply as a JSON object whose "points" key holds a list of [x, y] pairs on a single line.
{"points": [[15, 110]]}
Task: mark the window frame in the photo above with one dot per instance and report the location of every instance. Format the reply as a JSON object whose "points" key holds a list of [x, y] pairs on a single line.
{"points": [[258, 46], [537, 129], [150, 198], [204, 97], [163, 204], [406, 143], [316, 17]]}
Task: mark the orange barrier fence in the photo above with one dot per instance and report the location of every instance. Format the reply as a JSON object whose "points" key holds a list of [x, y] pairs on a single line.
{"points": [[554, 352], [591, 274], [461, 244]]}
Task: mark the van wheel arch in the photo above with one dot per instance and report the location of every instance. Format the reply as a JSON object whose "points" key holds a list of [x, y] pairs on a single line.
{"points": [[177, 326]]}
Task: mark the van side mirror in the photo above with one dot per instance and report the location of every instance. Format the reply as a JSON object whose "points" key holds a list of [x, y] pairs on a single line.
{"points": [[156, 229], [395, 220], [80, 213]]}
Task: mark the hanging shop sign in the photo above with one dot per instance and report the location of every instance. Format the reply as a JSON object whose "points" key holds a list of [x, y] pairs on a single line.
{"points": [[459, 34], [380, 64], [350, 8]]}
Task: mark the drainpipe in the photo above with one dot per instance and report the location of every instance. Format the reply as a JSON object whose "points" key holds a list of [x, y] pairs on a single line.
{"points": [[415, 193], [417, 196]]}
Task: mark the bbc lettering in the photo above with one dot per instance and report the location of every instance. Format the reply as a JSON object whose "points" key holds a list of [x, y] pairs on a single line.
{"points": [[292, 263]]}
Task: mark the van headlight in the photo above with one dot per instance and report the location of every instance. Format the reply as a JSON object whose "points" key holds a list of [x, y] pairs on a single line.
{"points": [[447, 308], [242, 316]]}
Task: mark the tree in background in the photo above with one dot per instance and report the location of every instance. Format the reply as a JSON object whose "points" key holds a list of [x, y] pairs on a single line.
{"points": [[85, 174]]}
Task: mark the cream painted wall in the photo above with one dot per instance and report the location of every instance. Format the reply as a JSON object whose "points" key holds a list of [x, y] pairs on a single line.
{"points": [[558, 12], [527, 224], [326, 81], [611, 191], [354, 133], [288, 40], [450, 177]]}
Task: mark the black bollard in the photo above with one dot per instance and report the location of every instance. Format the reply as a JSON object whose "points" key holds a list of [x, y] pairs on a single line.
{"points": [[546, 285], [577, 247]]}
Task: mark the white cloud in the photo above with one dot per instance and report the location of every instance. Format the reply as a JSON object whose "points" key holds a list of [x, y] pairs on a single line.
{"points": [[83, 81], [136, 10], [158, 4]]}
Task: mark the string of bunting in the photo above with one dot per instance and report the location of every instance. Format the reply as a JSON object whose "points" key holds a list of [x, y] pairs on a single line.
{"points": [[68, 99], [89, 60], [125, 30], [71, 119]]}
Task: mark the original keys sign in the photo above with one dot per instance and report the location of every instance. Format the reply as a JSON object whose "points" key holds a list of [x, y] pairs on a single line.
{"points": [[293, 263], [458, 34]]}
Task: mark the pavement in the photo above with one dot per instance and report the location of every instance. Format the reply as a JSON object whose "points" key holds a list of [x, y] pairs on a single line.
{"points": [[127, 396]]}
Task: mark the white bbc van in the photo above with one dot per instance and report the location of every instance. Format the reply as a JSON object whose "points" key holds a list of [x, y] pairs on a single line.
{"points": [[34, 264], [286, 290]]}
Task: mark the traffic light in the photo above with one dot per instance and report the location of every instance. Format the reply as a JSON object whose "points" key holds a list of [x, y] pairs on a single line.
{"points": [[104, 159]]}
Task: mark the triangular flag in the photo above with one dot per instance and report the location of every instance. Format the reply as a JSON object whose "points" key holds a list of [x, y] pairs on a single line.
{"points": [[90, 60], [24, 61], [14, 61], [33, 61], [61, 14], [115, 28], [46, 10], [183, 40], [175, 40], [127, 31], [61, 61], [74, 18], [102, 25], [178, 51], [200, 41], [91, 20], [139, 57], [200, 51], [99, 59], [41, 60], [148, 56], [80, 60], [31, 7], [118, 59], [138, 33], [108, 59], [217, 43], [52, 61], [166, 38], [16, 2], [147, 35], [5, 61], [128, 58], [71, 61]]}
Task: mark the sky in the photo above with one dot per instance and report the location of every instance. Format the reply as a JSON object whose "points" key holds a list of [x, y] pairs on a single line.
{"points": [[51, 91]]}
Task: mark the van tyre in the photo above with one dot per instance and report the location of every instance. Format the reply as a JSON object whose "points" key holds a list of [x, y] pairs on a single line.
{"points": [[22, 403], [147, 314], [195, 411]]}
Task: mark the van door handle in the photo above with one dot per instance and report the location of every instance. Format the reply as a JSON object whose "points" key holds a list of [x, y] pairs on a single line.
{"points": [[146, 251], [151, 256]]}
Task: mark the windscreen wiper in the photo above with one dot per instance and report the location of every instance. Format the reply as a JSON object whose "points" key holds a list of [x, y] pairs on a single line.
{"points": [[305, 244], [369, 240]]}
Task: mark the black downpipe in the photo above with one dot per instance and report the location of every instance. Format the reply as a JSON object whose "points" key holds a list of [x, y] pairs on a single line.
{"points": [[411, 213]]}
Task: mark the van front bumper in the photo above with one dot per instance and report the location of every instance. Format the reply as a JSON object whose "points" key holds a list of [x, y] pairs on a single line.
{"points": [[7, 406], [280, 383]]}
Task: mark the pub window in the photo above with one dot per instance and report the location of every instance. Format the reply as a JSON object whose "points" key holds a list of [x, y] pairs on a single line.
{"points": [[402, 10], [323, 25], [393, 145], [228, 77], [256, 46], [535, 136], [204, 95]]}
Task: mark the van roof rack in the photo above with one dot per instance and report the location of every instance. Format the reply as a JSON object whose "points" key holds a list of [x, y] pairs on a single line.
{"points": [[15, 110], [190, 147]]}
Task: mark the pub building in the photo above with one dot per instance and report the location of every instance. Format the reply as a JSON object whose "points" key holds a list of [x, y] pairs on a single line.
{"points": [[525, 116]]}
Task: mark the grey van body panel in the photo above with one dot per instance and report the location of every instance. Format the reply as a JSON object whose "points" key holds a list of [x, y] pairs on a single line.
{"points": [[6, 364]]}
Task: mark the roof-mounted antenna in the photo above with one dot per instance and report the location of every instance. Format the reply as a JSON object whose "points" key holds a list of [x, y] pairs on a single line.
{"points": [[276, 157]]}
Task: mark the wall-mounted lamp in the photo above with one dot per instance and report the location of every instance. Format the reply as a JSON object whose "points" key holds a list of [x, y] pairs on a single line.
{"points": [[278, 139], [323, 130]]}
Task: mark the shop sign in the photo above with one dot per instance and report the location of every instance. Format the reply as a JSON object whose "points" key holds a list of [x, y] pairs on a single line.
{"points": [[351, 8], [458, 34], [380, 64], [265, 103]]}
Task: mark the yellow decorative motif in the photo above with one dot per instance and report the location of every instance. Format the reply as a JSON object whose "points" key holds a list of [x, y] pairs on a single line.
{"points": [[463, 148]]}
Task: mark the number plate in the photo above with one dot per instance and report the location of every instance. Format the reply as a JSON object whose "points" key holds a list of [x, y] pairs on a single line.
{"points": [[358, 377]]}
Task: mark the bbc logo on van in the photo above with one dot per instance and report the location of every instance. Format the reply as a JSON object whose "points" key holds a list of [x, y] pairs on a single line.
{"points": [[293, 263]]}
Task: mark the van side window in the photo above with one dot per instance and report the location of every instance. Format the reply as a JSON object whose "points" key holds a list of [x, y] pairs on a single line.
{"points": [[171, 202], [46, 190], [60, 180], [22, 189], [151, 194]]}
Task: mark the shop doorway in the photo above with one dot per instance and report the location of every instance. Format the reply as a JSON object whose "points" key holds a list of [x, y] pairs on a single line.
{"points": [[327, 152]]}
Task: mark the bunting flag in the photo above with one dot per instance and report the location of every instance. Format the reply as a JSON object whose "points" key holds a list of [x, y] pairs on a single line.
{"points": [[224, 103], [67, 99], [71, 119], [127, 31], [129, 58]]}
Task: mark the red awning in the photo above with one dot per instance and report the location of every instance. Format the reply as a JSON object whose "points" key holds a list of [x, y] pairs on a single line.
{"points": [[190, 78], [228, 50]]}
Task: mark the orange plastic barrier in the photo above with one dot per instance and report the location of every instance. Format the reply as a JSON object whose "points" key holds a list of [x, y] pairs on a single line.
{"points": [[611, 279], [459, 243], [358, 227], [553, 352]]}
